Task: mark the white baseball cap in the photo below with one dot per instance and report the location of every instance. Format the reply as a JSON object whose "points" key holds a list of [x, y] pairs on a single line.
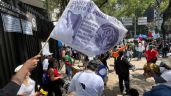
{"points": [[47, 53], [166, 75], [18, 68]]}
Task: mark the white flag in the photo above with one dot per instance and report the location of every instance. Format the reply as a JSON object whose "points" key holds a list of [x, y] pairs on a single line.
{"points": [[85, 28]]}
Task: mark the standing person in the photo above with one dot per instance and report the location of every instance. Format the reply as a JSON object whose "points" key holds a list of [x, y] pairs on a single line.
{"points": [[140, 50], [93, 86], [122, 70], [45, 62], [151, 54], [165, 50], [12, 88], [129, 53], [56, 82], [102, 72], [68, 64], [48, 57], [104, 58]]}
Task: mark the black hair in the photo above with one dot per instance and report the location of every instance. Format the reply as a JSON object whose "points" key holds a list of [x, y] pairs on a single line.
{"points": [[93, 65], [121, 53], [133, 92], [51, 63]]}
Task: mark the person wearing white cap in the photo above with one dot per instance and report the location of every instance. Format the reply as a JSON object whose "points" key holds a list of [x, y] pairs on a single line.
{"points": [[163, 88], [14, 85], [28, 86], [45, 62]]}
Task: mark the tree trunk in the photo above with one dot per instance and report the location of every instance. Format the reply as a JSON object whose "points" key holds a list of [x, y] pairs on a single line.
{"points": [[166, 16]]}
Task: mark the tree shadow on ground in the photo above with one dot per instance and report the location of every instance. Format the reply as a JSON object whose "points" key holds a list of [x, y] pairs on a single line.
{"points": [[138, 82], [138, 76], [112, 91]]}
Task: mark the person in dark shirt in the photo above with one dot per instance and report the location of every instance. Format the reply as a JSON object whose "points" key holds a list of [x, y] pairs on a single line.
{"points": [[104, 58], [122, 70], [13, 86]]}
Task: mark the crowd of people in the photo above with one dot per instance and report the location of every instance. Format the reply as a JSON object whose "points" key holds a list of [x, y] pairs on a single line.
{"points": [[91, 81]]}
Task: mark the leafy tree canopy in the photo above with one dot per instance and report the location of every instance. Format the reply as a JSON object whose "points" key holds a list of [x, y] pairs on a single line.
{"points": [[117, 8]]}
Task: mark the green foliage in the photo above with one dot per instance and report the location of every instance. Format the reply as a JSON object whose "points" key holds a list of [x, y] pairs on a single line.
{"points": [[51, 4], [120, 8], [164, 4], [117, 8]]}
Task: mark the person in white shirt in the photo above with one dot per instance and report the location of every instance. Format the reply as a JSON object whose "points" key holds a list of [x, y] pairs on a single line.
{"points": [[87, 83], [140, 50], [28, 86], [45, 62]]}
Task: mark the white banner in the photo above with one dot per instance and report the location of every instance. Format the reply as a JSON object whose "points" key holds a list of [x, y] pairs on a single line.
{"points": [[11, 23], [85, 28]]}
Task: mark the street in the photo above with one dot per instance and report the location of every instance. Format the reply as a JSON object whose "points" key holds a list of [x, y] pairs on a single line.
{"points": [[136, 79]]}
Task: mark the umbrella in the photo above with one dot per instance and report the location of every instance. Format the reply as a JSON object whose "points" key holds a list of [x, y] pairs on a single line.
{"points": [[144, 36]]}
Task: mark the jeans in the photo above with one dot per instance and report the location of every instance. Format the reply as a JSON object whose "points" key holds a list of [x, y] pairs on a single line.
{"points": [[68, 71], [139, 55]]}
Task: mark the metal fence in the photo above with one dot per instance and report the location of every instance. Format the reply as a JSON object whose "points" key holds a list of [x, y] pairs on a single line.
{"points": [[16, 47]]}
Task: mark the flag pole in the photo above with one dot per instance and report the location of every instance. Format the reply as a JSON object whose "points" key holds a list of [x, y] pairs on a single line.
{"points": [[45, 44]]}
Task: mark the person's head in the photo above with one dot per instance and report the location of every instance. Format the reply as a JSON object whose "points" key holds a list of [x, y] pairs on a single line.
{"points": [[120, 53], [53, 63], [150, 47], [133, 92], [64, 47], [93, 65], [48, 55], [67, 53], [115, 47]]}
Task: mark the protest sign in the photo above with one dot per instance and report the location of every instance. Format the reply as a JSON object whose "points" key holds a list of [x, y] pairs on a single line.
{"points": [[85, 28]]}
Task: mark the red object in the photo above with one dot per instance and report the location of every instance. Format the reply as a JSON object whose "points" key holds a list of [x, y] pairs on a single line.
{"points": [[150, 34], [151, 54], [56, 73], [67, 63]]}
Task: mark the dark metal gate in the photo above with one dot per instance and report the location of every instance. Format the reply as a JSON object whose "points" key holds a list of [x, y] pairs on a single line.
{"points": [[16, 47]]}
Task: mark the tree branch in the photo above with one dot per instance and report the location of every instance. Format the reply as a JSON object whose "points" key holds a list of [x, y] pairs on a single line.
{"points": [[103, 3]]}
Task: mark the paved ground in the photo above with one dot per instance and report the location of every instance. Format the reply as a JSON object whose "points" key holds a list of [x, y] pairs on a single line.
{"points": [[136, 79]]}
